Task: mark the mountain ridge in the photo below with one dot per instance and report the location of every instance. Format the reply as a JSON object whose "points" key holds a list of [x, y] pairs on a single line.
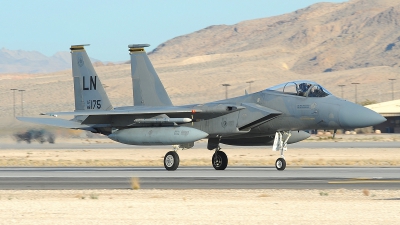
{"points": [[21, 61], [323, 37]]}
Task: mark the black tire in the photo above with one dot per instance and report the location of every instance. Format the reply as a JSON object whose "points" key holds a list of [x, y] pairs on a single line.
{"points": [[171, 161], [280, 164], [219, 160]]}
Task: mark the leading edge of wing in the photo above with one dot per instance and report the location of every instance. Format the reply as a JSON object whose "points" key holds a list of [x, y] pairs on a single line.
{"points": [[134, 111]]}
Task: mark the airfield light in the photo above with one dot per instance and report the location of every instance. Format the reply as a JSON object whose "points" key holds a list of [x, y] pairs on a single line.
{"points": [[22, 102], [14, 89], [355, 91], [341, 86], [392, 79], [249, 82], [226, 90]]}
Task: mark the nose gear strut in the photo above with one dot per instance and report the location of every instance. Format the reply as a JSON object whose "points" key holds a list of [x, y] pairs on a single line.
{"points": [[281, 145]]}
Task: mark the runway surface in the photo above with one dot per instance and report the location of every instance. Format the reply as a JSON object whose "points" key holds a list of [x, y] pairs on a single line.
{"points": [[201, 178], [99, 146]]}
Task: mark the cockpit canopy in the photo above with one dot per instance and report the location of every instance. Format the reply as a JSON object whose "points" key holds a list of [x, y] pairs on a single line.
{"points": [[301, 88]]}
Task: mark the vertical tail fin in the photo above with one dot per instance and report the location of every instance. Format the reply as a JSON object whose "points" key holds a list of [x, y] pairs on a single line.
{"points": [[88, 90], [147, 87]]}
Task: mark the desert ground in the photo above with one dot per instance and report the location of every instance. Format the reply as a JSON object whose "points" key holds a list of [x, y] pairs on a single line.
{"points": [[200, 207]]}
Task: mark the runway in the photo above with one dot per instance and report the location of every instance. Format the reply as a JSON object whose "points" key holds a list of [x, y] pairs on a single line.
{"points": [[201, 178]]}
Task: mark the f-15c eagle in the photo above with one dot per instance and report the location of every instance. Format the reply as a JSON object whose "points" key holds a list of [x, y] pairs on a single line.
{"points": [[275, 116]]}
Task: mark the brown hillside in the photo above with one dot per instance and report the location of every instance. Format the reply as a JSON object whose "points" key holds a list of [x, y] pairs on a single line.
{"points": [[321, 37]]}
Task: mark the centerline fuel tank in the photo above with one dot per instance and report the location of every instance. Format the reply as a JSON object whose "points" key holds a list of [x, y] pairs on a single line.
{"points": [[157, 135]]}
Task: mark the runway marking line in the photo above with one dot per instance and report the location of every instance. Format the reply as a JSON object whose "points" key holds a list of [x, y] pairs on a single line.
{"points": [[363, 181]]}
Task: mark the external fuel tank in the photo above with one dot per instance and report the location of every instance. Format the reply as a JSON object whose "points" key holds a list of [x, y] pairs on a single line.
{"points": [[157, 135]]}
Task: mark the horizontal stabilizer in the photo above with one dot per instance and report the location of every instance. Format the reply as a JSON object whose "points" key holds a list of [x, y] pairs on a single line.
{"points": [[56, 122]]}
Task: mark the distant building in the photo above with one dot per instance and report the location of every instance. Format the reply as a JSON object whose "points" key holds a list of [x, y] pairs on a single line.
{"points": [[391, 111]]}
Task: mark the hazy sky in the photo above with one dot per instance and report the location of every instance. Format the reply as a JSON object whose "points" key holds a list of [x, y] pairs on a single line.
{"points": [[49, 26]]}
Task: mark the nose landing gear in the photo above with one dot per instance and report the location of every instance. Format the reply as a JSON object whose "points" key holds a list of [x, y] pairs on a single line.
{"points": [[280, 164], [281, 145]]}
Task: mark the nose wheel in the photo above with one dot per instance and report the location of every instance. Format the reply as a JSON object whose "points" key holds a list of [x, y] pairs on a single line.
{"points": [[280, 144], [280, 164]]}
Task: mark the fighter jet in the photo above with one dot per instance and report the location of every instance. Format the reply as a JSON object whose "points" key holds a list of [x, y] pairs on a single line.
{"points": [[275, 116]]}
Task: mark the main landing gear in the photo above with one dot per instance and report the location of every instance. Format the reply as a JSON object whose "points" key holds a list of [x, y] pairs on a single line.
{"points": [[171, 161], [219, 159], [280, 144]]}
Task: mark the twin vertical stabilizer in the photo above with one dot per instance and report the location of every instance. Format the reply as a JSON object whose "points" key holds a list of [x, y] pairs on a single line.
{"points": [[147, 87], [88, 90]]}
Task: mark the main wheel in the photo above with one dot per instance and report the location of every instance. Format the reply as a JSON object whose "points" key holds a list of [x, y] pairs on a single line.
{"points": [[280, 164], [171, 161], [219, 160]]}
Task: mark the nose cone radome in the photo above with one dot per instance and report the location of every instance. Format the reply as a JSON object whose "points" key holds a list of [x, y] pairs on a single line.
{"points": [[356, 116]]}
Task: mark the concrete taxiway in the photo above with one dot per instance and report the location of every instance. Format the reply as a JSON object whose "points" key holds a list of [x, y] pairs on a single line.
{"points": [[201, 177]]}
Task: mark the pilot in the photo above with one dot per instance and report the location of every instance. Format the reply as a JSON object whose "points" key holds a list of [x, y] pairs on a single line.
{"points": [[303, 88]]}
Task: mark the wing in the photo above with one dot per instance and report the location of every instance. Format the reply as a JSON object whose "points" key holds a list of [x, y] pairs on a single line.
{"points": [[127, 115], [125, 111], [251, 115]]}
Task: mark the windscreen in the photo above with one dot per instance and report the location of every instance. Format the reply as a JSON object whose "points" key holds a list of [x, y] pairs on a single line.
{"points": [[301, 88]]}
